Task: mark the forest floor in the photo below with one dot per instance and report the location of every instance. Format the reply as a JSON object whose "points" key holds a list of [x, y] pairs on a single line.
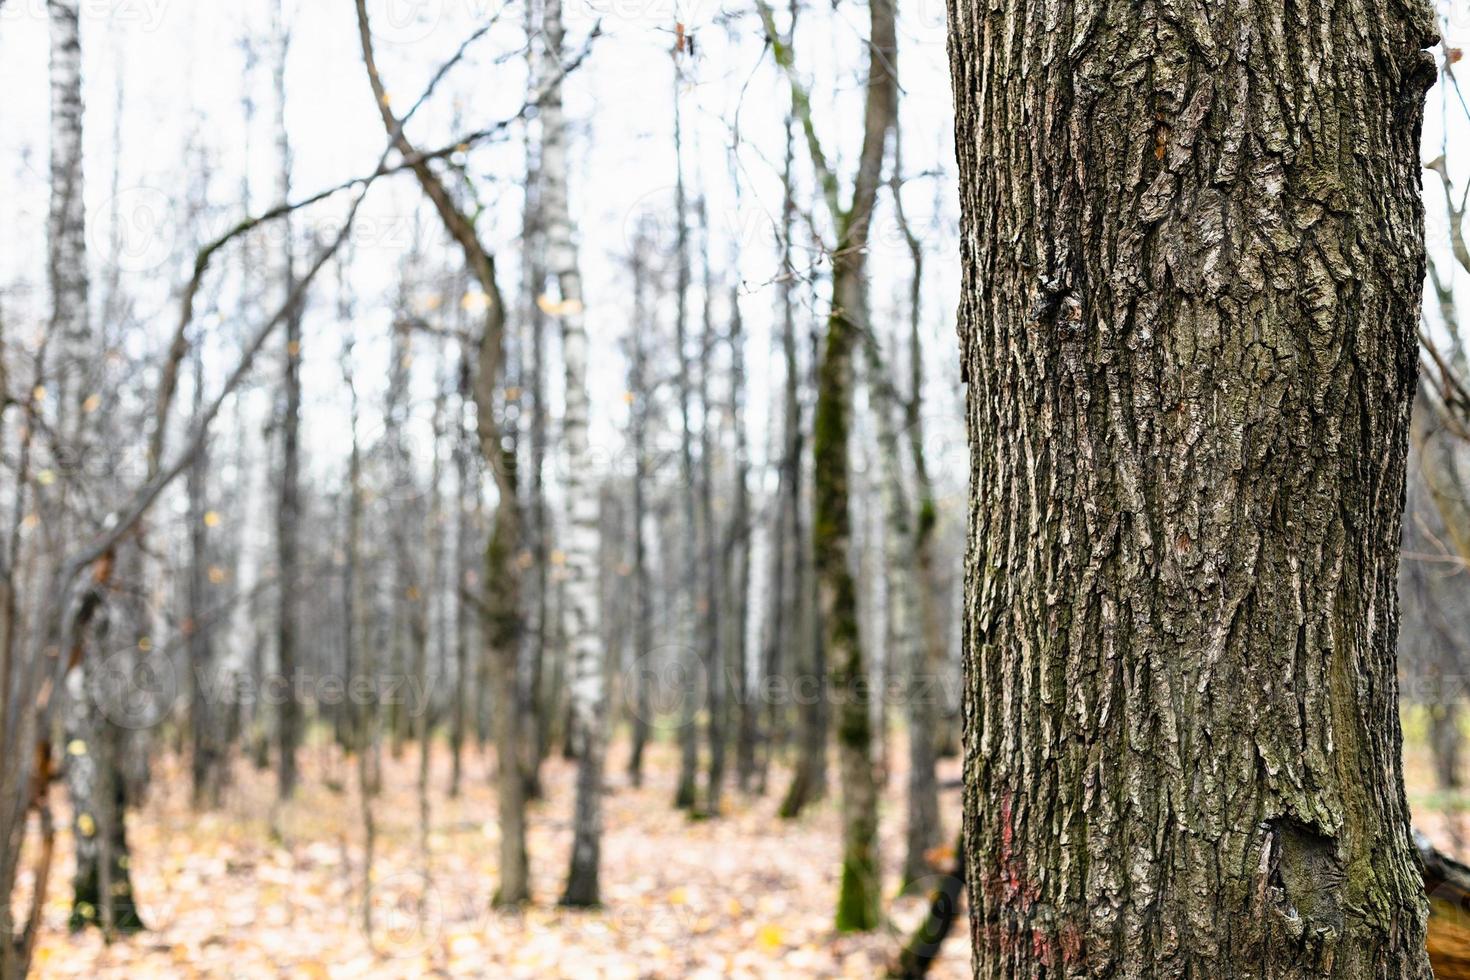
{"points": [[257, 891], [253, 890]]}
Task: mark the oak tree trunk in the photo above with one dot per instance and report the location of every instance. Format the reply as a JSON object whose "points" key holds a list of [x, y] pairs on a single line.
{"points": [[1192, 256]]}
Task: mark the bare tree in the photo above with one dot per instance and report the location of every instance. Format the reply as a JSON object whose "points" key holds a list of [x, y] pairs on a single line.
{"points": [[588, 680], [858, 905], [639, 411], [501, 609]]}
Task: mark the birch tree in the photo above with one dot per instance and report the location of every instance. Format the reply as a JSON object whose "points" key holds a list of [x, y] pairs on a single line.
{"points": [[102, 883], [588, 681]]}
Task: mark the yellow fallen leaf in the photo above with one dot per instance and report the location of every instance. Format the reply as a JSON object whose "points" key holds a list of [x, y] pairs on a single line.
{"points": [[769, 938]]}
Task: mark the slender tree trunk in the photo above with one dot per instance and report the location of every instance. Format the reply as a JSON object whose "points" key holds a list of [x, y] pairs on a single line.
{"points": [[361, 658], [288, 504], [905, 627], [207, 730], [1193, 258], [859, 901], [923, 831], [501, 612], [809, 681], [711, 598], [860, 898], [737, 548], [783, 633], [640, 676], [539, 719], [404, 595], [467, 492], [684, 793], [588, 653], [430, 584], [1434, 451], [924, 943]]}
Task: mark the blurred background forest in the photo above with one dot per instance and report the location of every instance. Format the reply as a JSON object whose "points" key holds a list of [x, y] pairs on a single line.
{"points": [[419, 550]]}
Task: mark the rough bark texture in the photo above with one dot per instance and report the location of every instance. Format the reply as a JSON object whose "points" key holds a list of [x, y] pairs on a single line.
{"points": [[1193, 254]]}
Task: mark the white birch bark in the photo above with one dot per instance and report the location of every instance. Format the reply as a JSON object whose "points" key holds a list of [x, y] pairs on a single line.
{"points": [[588, 669], [71, 329]]}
